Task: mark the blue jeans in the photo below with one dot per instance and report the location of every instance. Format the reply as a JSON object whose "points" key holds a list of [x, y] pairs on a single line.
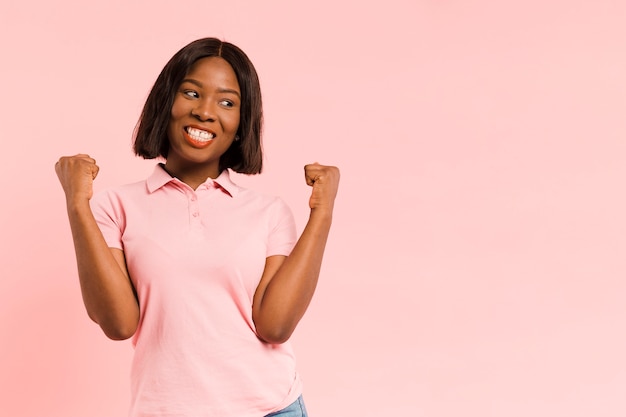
{"points": [[296, 409]]}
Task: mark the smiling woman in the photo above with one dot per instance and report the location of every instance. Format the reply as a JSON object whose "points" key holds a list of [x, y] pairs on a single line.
{"points": [[204, 116], [208, 278], [152, 130]]}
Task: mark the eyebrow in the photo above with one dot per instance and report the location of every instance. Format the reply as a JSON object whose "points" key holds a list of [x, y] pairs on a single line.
{"points": [[221, 90]]}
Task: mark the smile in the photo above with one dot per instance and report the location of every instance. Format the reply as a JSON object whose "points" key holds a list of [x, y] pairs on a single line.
{"points": [[198, 138], [199, 135]]}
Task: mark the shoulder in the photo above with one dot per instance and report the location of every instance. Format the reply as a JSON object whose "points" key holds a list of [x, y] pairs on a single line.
{"points": [[114, 198], [121, 191], [260, 200], [263, 208], [243, 196]]}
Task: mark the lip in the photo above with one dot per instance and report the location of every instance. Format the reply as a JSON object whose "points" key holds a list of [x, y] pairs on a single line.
{"points": [[196, 143]]}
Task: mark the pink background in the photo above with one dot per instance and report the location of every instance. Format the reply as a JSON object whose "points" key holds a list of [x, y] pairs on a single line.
{"points": [[477, 262]]}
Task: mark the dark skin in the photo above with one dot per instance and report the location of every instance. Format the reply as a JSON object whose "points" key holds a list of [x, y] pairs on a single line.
{"points": [[204, 121]]}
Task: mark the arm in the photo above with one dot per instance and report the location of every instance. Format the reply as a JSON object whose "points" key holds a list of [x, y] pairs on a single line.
{"points": [[288, 283], [107, 291]]}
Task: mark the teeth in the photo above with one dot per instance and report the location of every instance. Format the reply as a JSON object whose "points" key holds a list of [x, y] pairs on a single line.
{"points": [[199, 135]]}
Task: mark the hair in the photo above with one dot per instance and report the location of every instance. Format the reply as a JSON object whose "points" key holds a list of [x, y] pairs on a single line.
{"points": [[150, 137]]}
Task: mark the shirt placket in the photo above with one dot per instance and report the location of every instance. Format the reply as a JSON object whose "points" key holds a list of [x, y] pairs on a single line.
{"points": [[195, 214]]}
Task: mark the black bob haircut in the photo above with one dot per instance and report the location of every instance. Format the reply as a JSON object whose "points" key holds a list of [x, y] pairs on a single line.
{"points": [[245, 155]]}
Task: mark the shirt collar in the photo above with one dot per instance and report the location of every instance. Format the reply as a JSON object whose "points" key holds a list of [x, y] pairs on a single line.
{"points": [[226, 184], [160, 178]]}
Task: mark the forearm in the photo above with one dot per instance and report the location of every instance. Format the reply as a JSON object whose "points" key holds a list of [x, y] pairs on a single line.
{"points": [[107, 292], [291, 289]]}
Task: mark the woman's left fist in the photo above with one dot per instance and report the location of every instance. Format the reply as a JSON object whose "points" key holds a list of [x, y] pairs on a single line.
{"points": [[325, 182]]}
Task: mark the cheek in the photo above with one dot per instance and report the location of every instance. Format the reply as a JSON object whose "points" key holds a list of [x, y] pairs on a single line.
{"points": [[178, 110], [234, 122], [175, 115]]}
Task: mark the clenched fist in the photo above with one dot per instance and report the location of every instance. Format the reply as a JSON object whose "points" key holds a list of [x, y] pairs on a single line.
{"points": [[76, 174], [325, 182]]}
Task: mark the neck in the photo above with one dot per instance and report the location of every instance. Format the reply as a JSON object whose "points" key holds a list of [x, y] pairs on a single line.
{"points": [[193, 176]]}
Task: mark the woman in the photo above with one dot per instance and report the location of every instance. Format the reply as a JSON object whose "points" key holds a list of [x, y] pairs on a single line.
{"points": [[208, 278]]}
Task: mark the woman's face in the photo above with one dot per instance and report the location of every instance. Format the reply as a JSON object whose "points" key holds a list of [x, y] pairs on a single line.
{"points": [[205, 116]]}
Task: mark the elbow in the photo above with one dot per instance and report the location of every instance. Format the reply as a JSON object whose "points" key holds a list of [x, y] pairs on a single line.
{"points": [[118, 331], [273, 327], [116, 325], [275, 335]]}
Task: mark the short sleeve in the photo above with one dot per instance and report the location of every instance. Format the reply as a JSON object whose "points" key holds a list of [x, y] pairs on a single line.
{"points": [[108, 213], [282, 231]]}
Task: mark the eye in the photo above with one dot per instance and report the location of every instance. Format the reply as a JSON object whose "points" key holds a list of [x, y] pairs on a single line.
{"points": [[191, 93], [227, 103]]}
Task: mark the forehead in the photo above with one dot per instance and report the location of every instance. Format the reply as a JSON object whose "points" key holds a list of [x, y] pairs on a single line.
{"points": [[213, 71]]}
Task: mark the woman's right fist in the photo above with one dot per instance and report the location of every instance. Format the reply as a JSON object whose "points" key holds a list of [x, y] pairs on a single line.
{"points": [[76, 174]]}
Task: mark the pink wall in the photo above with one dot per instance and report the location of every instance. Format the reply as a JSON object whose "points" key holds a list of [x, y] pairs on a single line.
{"points": [[477, 262]]}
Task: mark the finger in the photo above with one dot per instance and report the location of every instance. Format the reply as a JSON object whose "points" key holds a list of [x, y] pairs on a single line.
{"points": [[84, 157], [307, 174], [313, 167], [311, 174], [80, 156]]}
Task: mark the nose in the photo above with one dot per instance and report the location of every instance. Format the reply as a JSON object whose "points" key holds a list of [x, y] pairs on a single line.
{"points": [[203, 111]]}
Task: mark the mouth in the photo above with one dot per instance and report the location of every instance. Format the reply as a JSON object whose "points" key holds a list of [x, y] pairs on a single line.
{"points": [[197, 137]]}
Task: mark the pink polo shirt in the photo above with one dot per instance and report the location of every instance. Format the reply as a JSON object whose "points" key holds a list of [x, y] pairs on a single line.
{"points": [[195, 259]]}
